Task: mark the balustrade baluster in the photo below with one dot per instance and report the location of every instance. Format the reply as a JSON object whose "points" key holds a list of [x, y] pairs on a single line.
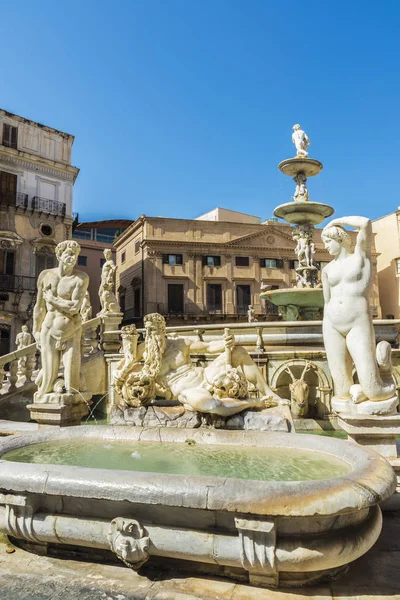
{"points": [[30, 365], [13, 375], [2, 376]]}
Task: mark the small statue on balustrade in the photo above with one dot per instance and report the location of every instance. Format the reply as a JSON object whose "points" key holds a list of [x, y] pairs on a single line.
{"points": [[108, 299], [220, 388], [86, 308], [251, 317], [22, 340]]}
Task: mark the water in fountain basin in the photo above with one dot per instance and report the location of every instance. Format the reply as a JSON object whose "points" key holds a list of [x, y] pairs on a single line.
{"points": [[265, 464]]}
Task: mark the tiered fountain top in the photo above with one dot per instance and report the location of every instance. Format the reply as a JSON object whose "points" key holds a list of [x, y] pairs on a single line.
{"points": [[304, 301], [301, 210]]}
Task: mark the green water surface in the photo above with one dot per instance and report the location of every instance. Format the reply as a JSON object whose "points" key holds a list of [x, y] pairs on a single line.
{"points": [[265, 464]]}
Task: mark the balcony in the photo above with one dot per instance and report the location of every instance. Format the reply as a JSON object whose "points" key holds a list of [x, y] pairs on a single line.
{"points": [[36, 204], [49, 207], [17, 283]]}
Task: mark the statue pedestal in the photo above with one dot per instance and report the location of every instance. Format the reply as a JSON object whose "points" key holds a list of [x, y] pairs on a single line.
{"points": [[365, 409], [376, 432], [60, 409], [110, 341]]}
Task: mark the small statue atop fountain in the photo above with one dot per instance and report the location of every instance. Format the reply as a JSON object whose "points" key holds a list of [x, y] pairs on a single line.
{"points": [[108, 300], [301, 193], [301, 141], [220, 388], [251, 317], [86, 308], [347, 325], [57, 323]]}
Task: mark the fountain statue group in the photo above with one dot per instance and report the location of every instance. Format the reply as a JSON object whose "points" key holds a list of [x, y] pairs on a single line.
{"points": [[161, 366]]}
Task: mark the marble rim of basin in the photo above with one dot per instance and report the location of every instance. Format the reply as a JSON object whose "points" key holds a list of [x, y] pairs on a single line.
{"points": [[299, 164], [276, 532], [299, 213], [301, 297]]}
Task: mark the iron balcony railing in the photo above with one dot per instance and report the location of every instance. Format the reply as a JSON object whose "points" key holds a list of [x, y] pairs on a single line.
{"points": [[50, 207], [10, 198], [214, 309], [15, 283]]}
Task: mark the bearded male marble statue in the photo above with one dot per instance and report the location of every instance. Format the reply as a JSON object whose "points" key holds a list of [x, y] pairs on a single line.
{"points": [[347, 325], [168, 371], [57, 323]]}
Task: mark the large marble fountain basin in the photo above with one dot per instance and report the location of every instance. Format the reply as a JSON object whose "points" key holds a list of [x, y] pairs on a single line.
{"points": [[301, 297], [271, 533]]}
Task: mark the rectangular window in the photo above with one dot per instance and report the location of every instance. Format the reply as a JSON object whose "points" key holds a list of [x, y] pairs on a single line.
{"points": [[82, 260], [10, 136], [44, 261], [243, 298], [212, 261], [137, 246], [214, 298], [8, 188], [173, 259], [242, 261], [271, 263], [123, 257], [7, 260], [175, 298]]}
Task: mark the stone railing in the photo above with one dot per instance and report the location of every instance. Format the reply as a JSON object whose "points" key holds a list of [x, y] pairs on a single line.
{"points": [[21, 365]]}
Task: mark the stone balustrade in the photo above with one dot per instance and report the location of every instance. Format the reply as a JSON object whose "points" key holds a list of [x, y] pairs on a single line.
{"points": [[21, 366]]}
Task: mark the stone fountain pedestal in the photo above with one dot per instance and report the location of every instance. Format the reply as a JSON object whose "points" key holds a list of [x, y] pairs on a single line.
{"points": [[60, 409]]}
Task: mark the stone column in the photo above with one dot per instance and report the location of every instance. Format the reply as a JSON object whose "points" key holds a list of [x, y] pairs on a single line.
{"points": [[229, 300], [200, 300], [191, 272], [256, 292]]}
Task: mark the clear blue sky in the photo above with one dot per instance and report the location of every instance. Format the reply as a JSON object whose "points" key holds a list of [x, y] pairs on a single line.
{"points": [[179, 106]]}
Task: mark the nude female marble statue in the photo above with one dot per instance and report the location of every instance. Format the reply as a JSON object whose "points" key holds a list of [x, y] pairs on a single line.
{"points": [[57, 322], [347, 325], [168, 371]]}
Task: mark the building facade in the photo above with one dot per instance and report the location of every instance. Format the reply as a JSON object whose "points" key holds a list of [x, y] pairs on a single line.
{"points": [[387, 243], [36, 188], [207, 270], [93, 237]]}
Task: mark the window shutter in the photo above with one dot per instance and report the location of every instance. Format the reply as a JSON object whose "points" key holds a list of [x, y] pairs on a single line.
{"points": [[291, 264], [6, 134], [204, 261], [279, 263], [14, 133], [179, 260], [217, 261], [165, 259], [262, 262]]}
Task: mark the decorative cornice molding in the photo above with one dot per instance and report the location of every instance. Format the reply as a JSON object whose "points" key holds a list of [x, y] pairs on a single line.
{"points": [[36, 166]]}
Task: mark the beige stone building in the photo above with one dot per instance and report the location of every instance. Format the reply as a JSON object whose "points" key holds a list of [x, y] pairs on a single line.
{"points": [[205, 270], [387, 243], [93, 237], [36, 185]]}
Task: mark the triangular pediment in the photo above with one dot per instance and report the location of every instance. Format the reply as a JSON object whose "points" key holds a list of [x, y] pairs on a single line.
{"points": [[270, 237]]}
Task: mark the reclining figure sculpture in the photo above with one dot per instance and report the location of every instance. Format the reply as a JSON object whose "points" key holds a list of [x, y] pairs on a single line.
{"points": [[220, 388]]}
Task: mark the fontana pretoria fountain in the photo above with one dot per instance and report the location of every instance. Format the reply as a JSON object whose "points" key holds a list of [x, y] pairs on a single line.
{"points": [[200, 463]]}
